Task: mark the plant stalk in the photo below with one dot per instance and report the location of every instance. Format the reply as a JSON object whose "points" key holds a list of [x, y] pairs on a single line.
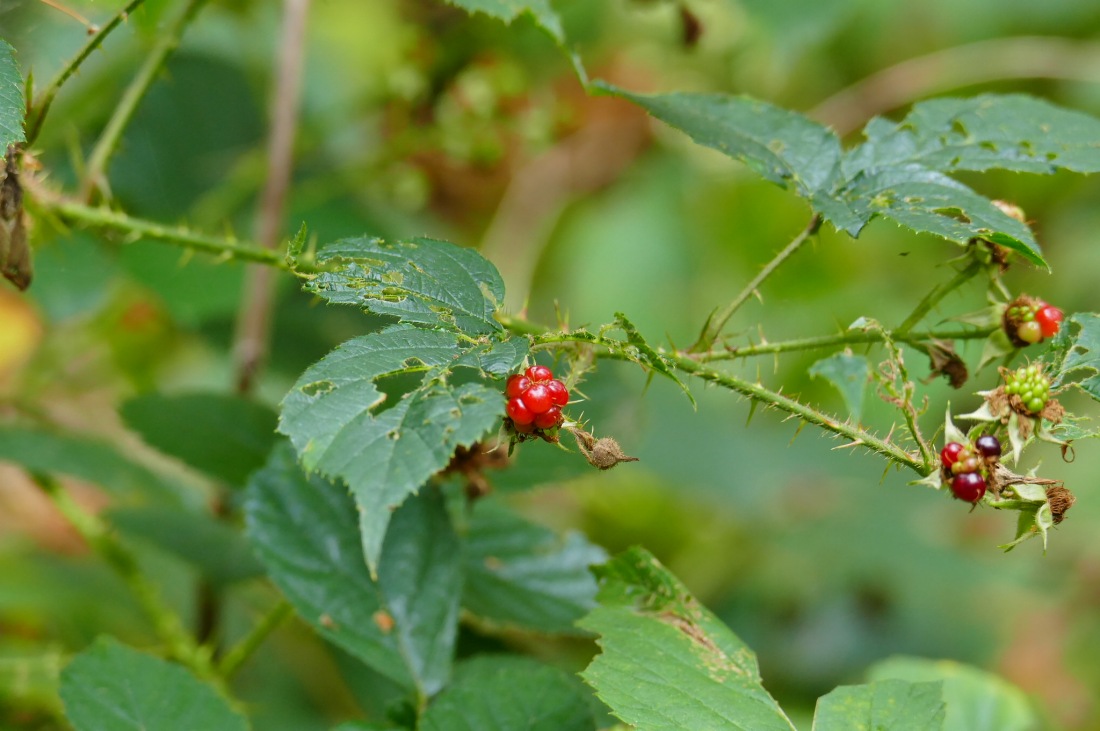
{"points": [[239, 653]]}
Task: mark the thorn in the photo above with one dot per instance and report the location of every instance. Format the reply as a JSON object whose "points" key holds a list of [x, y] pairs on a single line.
{"points": [[856, 443]]}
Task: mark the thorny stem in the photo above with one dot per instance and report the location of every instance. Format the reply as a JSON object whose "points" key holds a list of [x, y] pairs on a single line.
{"points": [[95, 532], [933, 298], [127, 105], [39, 110], [714, 326], [239, 653], [98, 217], [905, 401]]}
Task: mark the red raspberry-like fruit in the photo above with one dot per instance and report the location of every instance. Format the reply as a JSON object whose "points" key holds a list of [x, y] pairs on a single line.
{"points": [[988, 446], [949, 455], [1049, 319], [537, 398], [524, 428], [539, 373], [559, 394], [549, 418], [1030, 332], [969, 486], [517, 384], [518, 412]]}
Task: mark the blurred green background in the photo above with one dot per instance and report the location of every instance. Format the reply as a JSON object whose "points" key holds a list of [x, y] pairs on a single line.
{"points": [[419, 120]]}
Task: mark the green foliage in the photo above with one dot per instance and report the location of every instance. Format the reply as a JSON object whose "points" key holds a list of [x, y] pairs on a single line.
{"points": [[111, 687], [524, 575], [508, 10], [898, 172], [225, 436], [507, 693], [403, 622], [849, 374], [1075, 354], [667, 663], [889, 705], [12, 105]]}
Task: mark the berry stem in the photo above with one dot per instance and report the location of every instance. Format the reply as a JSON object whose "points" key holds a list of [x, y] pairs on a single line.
{"points": [[239, 653], [934, 297], [713, 327]]}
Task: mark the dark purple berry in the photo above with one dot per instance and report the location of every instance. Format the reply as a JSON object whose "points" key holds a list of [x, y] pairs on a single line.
{"points": [[988, 446]]}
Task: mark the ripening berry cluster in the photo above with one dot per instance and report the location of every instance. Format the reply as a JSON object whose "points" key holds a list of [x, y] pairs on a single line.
{"points": [[966, 466], [535, 399], [1031, 385], [1034, 322]]}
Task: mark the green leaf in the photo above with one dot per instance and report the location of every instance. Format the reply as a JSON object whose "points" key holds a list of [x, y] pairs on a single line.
{"points": [[976, 700], [849, 374], [217, 550], [1075, 354], [41, 450], [112, 687], [522, 574], [225, 436], [509, 693], [12, 106], [508, 10], [668, 664], [887, 705], [336, 416], [421, 281], [404, 623]]}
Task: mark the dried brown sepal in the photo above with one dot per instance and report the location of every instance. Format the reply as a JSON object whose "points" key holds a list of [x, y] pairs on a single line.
{"points": [[947, 363], [1053, 411], [602, 453], [15, 252], [471, 462], [1012, 324], [1001, 477], [1060, 500]]}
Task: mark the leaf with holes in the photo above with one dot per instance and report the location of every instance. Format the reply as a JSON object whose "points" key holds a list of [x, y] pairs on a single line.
{"points": [[667, 663], [404, 623], [886, 705], [421, 281], [112, 687], [12, 106], [522, 574], [1074, 355], [849, 374], [384, 412]]}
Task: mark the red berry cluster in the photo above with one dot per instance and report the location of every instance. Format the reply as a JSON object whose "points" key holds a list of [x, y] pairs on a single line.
{"points": [[965, 466], [535, 399], [1030, 321]]}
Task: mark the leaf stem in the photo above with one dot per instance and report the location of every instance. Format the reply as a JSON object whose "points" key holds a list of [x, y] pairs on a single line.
{"points": [[95, 532], [852, 337], [239, 653], [933, 298], [714, 325], [38, 115], [99, 217], [112, 133]]}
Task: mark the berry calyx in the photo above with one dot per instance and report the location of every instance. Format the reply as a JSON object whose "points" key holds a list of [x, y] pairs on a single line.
{"points": [[968, 486], [988, 446], [539, 373], [1049, 319], [949, 455], [518, 412], [537, 398], [517, 384], [549, 418]]}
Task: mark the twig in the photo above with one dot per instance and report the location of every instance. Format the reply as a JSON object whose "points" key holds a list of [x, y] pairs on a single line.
{"points": [[714, 325], [45, 99], [933, 298], [253, 321], [112, 133], [239, 653]]}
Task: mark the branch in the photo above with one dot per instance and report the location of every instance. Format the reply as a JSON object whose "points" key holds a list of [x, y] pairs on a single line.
{"points": [[934, 297], [36, 117], [244, 649], [127, 106]]}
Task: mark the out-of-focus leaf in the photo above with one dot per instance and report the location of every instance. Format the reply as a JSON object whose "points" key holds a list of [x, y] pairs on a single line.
{"points": [[337, 417], [404, 623], [886, 705], [420, 281], [225, 436], [41, 450], [12, 105], [508, 10], [217, 550], [976, 700], [523, 574], [112, 687], [667, 663], [849, 374], [509, 693]]}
